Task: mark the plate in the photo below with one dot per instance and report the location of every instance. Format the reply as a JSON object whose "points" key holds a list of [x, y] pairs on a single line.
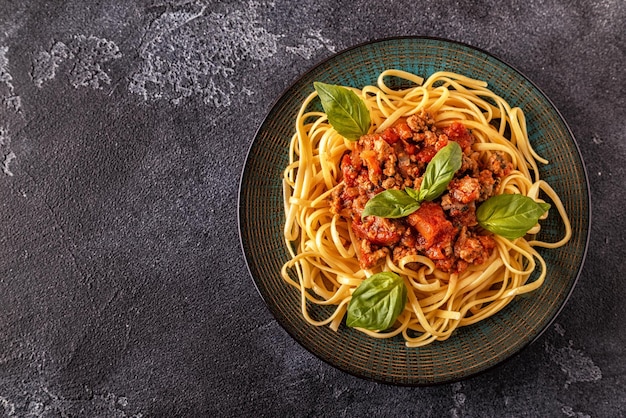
{"points": [[471, 349]]}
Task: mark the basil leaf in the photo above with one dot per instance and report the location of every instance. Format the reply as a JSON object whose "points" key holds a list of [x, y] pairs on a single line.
{"points": [[346, 112], [377, 302], [510, 215], [440, 171], [413, 193], [390, 204]]}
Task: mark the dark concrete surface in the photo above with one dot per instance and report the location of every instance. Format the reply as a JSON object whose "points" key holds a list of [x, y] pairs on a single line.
{"points": [[123, 132]]}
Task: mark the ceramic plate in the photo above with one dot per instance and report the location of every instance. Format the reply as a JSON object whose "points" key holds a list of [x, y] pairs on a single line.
{"points": [[471, 349]]}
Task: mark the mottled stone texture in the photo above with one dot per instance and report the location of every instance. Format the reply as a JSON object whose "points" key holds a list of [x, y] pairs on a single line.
{"points": [[123, 131]]}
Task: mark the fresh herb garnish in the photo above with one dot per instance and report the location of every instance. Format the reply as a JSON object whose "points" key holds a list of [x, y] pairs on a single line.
{"points": [[510, 215], [377, 302], [391, 204], [439, 172], [346, 112]]}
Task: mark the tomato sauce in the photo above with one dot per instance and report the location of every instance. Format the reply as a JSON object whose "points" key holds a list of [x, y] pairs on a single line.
{"points": [[445, 230]]}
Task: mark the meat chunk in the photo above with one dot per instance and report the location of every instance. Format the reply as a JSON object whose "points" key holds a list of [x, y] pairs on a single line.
{"points": [[407, 245], [420, 122], [499, 165], [473, 249], [461, 214], [469, 165], [464, 190], [370, 255], [377, 155], [487, 185]]}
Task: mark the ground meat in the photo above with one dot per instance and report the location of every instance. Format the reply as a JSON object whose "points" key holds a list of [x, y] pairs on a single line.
{"points": [[389, 183], [337, 202], [499, 165], [487, 185], [469, 165], [461, 214], [431, 139], [371, 254], [471, 248], [390, 165], [407, 245], [443, 230], [421, 122], [464, 190]]}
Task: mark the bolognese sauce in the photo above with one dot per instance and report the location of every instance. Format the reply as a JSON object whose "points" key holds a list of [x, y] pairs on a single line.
{"points": [[445, 230]]}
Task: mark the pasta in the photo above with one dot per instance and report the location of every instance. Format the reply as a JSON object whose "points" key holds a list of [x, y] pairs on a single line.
{"points": [[326, 261]]}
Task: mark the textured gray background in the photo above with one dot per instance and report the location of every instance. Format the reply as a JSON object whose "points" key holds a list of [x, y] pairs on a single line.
{"points": [[123, 132]]}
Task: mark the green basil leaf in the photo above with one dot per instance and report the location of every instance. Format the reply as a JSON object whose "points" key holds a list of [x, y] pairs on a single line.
{"points": [[390, 204], [440, 171], [510, 215], [346, 112], [412, 192], [377, 302]]}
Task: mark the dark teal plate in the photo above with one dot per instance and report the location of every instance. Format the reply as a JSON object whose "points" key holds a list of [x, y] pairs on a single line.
{"points": [[471, 349]]}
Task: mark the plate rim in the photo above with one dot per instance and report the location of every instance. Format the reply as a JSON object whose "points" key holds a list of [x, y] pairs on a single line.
{"points": [[457, 43]]}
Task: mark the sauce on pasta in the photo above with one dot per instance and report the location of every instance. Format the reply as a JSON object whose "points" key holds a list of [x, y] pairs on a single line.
{"points": [[445, 230]]}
